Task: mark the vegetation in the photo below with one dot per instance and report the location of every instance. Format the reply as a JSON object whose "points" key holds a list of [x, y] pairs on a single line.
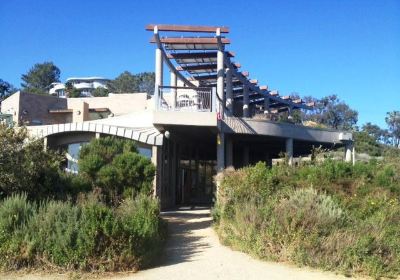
{"points": [[393, 122], [39, 77], [328, 111], [127, 82], [100, 92], [114, 166], [88, 235], [329, 215], [71, 91], [101, 219], [26, 167], [6, 89]]}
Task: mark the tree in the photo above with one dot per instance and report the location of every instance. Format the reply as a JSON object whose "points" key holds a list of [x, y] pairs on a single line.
{"points": [[127, 82], [124, 83], [100, 92], [393, 121], [375, 131], [6, 89], [366, 143], [39, 77], [26, 167], [114, 166], [146, 82], [71, 91], [332, 112]]}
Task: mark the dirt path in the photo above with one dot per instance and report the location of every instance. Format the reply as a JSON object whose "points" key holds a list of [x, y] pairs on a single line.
{"points": [[194, 252]]}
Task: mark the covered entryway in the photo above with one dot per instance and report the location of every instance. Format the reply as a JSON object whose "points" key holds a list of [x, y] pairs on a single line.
{"points": [[188, 165]]}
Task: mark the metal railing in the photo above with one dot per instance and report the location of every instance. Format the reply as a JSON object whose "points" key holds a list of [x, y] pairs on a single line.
{"points": [[194, 99]]}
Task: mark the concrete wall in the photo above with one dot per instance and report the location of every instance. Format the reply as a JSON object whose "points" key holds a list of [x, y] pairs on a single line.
{"points": [[11, 106], [118, 104], [33, 109]]}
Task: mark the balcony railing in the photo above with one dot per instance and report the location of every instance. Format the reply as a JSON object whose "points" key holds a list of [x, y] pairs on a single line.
{"points": [[194, 99]]}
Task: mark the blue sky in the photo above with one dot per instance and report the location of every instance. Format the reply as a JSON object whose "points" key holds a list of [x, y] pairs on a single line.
{"points": [[345, 47]]}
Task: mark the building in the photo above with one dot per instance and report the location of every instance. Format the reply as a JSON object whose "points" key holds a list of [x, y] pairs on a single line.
{"points": [[210, 116], [85, 85], [32, 109]]}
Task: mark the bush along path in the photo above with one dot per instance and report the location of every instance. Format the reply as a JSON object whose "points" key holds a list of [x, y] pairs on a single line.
{"points": [[87, 236], [329, 215], [193, 251]]}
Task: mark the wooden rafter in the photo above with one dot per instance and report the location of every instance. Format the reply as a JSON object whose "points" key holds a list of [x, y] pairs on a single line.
{"points": [[187, 28], [190, 40], [197, 55]]}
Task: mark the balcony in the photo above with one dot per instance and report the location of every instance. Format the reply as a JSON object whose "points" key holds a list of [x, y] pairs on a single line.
{"points": [[185, 99]]}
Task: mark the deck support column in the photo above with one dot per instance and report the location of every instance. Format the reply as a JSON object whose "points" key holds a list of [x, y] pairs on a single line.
{"points": [[266, 105], [246, 101], [220, 151], [246, 155], [220, 76], [45, 144], [289, 151], [229, 93], [173, 83], [156, 159], [348, 151], [229, 152]]}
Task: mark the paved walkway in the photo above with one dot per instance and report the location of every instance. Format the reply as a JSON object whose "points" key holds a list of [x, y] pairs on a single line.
{"points": [[194, 252]]}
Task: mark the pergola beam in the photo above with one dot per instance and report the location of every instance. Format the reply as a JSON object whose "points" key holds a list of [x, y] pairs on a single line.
{"points": [[187, 28], [190, 40], [197, 55]]}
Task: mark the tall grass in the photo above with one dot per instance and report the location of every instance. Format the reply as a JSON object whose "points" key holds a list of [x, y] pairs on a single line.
{"points": [[330, 215]]}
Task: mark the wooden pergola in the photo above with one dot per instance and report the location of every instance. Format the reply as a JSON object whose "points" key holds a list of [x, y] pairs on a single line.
{"points": [[198, 57]]}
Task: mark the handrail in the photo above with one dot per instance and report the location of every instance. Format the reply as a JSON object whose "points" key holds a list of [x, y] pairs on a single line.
{"points": [[195, 88]]}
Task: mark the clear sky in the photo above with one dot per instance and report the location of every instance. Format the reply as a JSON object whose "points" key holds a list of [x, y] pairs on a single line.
{"points": [[345, 47]]}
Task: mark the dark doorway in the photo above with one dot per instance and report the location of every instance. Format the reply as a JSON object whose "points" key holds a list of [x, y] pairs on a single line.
{"points": [[196, 168]]}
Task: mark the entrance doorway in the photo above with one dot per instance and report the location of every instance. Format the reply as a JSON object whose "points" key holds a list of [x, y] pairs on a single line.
{"points": [[196, 169]]}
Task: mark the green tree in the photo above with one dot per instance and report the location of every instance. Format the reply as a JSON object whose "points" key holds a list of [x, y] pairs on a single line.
{"points": [[6, 89], [393, 121], [100, 92], [71, 91], [332, 112], [375, 131], [26, 167], [39, 77], [366, 143], [146, 82], [114, 166], [124, 83], [127, 82]]}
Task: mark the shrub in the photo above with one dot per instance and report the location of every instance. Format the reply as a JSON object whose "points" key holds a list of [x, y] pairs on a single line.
{"points": [[26, 167], [306, 211], [85, 236], [115, 166], [326, 214]]}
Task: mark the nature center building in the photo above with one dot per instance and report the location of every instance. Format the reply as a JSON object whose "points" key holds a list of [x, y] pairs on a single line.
{"points": [[208, 116]]}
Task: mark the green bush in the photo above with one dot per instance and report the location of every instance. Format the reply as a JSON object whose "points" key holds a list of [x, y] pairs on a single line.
{"points": [[114, 166], [26, 167], [330, 214], [86, 236]]}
